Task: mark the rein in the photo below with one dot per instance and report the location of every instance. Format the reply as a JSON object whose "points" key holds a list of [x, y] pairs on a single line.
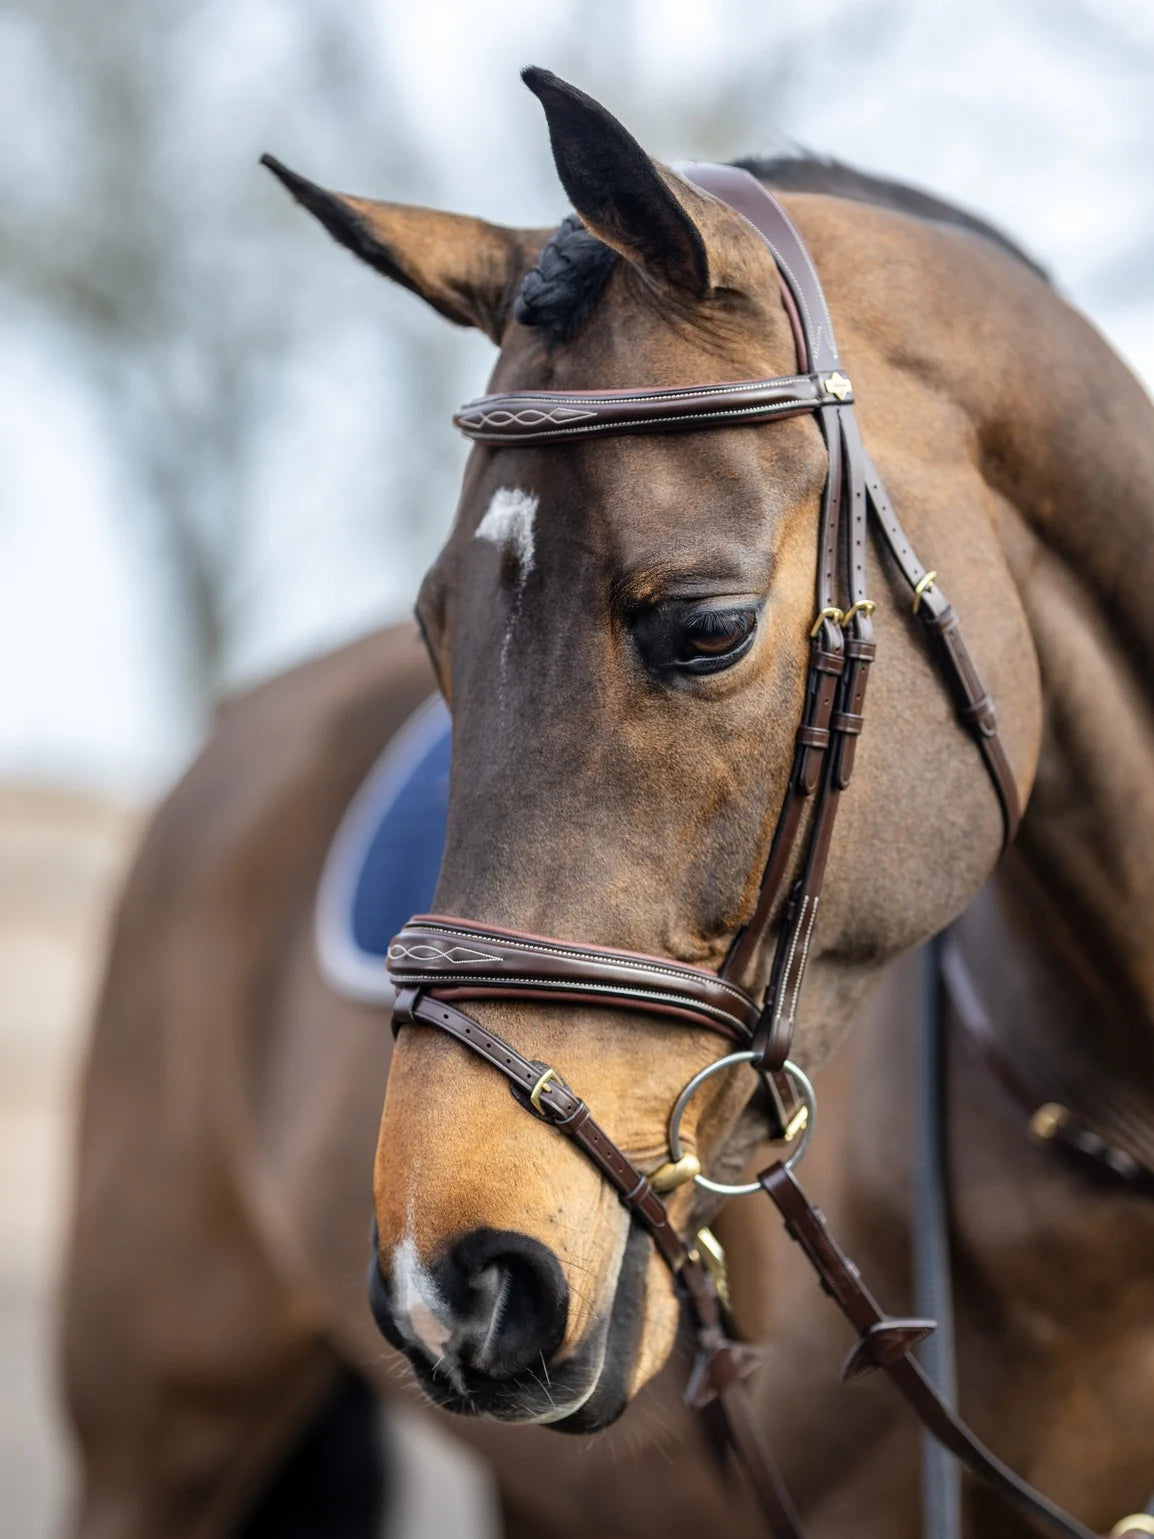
{"points": [[437, 961]]}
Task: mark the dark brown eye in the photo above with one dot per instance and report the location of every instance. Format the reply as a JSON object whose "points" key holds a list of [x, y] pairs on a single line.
{"points": [[680, 636], [715, 638]]}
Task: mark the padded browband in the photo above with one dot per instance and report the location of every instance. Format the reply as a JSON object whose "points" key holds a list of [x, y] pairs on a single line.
{"points": [[546, 416], [457, 959]]}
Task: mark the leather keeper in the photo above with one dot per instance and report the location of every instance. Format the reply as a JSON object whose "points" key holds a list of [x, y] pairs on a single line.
{"points": [[813, 737], [938, 624], [859, 648], [847, 722], [826, 669], [980, 716], [821, 661]]}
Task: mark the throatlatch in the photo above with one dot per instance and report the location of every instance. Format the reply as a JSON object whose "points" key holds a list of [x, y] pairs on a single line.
{"points": [[437, 961]]}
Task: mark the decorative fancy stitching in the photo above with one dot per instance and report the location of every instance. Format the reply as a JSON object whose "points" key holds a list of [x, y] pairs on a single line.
{"points": [[669, 970], [631, 397], [797, 404], [503, 417], [455, 956]]}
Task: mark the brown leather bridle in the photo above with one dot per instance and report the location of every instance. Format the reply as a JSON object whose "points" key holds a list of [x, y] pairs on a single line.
{"points": [[437, 961]]}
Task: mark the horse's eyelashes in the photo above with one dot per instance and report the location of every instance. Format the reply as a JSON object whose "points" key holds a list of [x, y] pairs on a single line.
{"points": [[677, 637], [713, 639]]}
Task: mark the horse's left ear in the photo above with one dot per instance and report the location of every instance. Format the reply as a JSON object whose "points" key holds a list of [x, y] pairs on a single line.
{"points": [[466, 269], [628, 200]]}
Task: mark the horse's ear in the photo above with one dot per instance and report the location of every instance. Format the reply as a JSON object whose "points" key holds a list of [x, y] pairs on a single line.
{"points": [[465, 268], [624, 197]]}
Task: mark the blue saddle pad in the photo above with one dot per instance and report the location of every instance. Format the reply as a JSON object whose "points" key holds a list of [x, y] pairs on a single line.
{"points": [[383, 863]]}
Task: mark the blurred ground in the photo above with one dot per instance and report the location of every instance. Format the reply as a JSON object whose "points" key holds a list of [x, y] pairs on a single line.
{"points": [[62, 856]]}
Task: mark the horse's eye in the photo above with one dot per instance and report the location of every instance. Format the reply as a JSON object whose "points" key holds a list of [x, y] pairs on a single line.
{"points": [[713, 639], [682, 636]]}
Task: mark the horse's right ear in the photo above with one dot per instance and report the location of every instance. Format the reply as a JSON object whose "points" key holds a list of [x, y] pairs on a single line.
{"points": [[465, 268]]}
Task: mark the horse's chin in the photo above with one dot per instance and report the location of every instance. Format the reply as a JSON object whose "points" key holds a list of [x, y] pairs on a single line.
{"points": [[615, 1383]]}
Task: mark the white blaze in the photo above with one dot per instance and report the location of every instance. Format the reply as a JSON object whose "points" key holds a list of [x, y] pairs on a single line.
{"points": [[508, 522], [417, 1300]]}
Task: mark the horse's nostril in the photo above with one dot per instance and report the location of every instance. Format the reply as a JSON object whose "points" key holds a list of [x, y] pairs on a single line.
{"points": [[508, 1298]]}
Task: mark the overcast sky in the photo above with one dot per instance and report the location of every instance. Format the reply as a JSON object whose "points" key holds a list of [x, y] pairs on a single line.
{"points": [[1038, 115]]}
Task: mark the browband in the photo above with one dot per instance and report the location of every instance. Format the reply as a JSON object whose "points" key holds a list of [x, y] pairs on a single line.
{"points": [[535, 416]]}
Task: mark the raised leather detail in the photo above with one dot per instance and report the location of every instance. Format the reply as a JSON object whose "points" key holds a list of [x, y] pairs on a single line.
{"points": [[457, 959], [546, 416]]}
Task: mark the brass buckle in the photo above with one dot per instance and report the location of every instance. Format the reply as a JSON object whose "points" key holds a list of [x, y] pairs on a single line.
{"points": [[713, 1257], [550, 1077], [863, 607], [922, 588], [827, 614]]}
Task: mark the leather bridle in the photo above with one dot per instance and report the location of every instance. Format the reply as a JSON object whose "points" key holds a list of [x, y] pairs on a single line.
{"points": [[438, 961]]}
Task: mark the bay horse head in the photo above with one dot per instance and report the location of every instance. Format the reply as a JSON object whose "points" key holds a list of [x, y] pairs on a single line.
{"points": [[622, 626]]}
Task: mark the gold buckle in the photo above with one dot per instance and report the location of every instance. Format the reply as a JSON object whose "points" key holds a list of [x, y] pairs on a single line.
{"points": [[863, 606], [550, 1077], [922, 588], [827, 614], [713, 1256], [837, 385]]}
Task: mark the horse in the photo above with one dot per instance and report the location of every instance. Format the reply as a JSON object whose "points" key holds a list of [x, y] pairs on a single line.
{"points": [[619, 627]]}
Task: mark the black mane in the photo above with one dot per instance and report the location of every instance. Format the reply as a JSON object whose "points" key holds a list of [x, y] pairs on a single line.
{"points": [[559, 292], [815, 173]]}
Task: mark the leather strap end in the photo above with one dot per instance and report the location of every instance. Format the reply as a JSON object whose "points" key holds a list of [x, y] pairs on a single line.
{"points": [[403, 1005]]}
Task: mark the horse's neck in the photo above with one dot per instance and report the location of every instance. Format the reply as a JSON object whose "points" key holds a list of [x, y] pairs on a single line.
{"points": [[1075, 457]]}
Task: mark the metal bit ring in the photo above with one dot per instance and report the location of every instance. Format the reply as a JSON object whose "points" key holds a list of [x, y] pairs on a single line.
{"points": [[797, 1078]]}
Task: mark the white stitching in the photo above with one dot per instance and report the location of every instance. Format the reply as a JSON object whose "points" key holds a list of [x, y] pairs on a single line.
{"points": [[430, 953], [628, 397], [779, 1011], [622, 990], [804, 957], [529, 416], [633, 423], [670, 970]]}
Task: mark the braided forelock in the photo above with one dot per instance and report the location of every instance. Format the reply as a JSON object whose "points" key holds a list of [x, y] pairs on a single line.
{"points": [[558, 294]]}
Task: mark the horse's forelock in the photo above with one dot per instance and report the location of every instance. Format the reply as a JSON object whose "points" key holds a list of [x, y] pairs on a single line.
{"points": [[559, 292]]}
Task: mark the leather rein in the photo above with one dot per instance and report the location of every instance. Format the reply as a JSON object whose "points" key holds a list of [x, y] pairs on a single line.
{"points": [[438, 961]]}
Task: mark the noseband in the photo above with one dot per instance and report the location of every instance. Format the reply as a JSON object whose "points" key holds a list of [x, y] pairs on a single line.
{"points": [[437, 961]]}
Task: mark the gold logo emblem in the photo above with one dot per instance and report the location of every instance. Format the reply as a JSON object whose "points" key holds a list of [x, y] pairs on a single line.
{"points": [[837, 385]]}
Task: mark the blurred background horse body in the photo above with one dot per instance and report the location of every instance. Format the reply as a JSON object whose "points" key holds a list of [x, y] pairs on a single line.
{"points": [[232, 1102]]}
